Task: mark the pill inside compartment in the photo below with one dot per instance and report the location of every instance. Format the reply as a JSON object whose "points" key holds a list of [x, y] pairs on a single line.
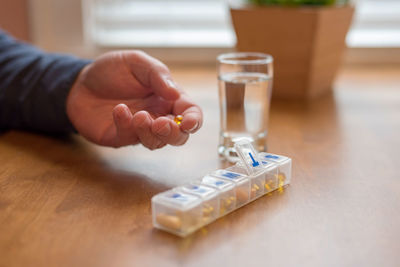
{"points": [[284, 167], [242, 185], [271, 176], [227, 194], [177, 212], [257, 180], [210, 197]]}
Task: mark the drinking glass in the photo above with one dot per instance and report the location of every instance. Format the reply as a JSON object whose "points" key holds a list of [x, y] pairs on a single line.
{"points": [[245, 87]]}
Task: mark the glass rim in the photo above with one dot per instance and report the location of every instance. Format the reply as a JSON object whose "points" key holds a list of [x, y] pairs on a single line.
{"points": [[234, 58]]}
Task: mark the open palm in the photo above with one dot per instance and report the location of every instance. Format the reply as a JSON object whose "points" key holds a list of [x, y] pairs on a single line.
{"points": [[128, 97]]}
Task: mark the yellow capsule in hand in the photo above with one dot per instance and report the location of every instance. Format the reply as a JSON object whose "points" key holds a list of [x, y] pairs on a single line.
{"points": [[178, 119]]}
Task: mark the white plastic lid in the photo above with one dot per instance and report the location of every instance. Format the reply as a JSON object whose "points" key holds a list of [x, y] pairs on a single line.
{"points": [[203, 191], [219, 183], [176, 199], [248, 156], [272, 157], [225, 174], [269, 165]]}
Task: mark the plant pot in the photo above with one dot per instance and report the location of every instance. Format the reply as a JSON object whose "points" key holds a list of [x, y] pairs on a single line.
{"points": [[307, 44]]}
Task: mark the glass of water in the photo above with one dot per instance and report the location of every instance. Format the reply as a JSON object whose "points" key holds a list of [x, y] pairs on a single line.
{"points": [[245, 87]]}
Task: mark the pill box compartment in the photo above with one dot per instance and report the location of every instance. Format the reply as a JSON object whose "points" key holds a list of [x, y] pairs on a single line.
{"points": [[271, 176], [242, 185], [210, 197], [284, 167], [177, 212], [257, 180], [227, 194]]}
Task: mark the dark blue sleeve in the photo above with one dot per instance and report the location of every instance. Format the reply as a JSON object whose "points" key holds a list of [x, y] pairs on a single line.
{"points": [[34, 86]]}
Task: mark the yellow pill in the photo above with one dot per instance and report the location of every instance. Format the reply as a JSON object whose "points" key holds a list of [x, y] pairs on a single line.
{"points": [[222, 210], [281, 179], [169, 221], [256, 187], [178, 119], [206, 219], [207, 210], [267, 187], [242, 195]]}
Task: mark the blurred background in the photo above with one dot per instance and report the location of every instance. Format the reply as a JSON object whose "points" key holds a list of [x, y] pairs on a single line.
{"points": [[176, 31]]}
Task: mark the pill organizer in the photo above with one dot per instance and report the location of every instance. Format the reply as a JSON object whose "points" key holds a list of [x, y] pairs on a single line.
{"points": [[184, 209]]}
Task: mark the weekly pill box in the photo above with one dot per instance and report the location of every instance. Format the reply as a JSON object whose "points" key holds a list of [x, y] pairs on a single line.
{"points": [[184, 209]]}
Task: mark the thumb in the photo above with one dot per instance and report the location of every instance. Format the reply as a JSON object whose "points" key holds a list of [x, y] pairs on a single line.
{"points": [[152, 74]]}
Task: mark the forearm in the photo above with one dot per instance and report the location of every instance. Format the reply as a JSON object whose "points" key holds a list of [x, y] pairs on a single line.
{"points": [[34, 86]]}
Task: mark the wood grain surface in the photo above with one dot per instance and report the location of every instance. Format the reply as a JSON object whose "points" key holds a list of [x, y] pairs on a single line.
{"points": [[66, 202]]}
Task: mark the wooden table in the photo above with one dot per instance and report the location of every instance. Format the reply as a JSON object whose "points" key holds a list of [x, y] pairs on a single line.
{"points": [[66, 202]]}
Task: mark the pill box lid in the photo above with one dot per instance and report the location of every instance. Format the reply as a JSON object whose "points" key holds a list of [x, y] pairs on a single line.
{"points": [[273, 157], [177, 199], [230, 175], [221, 184], [200, 190], [269, 165], [248, 156], [239, 168]]}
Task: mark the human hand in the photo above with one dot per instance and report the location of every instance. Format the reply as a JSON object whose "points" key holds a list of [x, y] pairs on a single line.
{"points": [[128, 97]]}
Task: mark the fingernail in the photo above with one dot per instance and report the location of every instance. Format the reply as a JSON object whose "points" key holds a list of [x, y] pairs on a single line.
{"points": [[170, 82], [165, 130], [193, 128], [126, 111]]}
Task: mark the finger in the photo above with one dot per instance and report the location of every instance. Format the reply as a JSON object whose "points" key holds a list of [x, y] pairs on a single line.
{"points": [[142, 122], [169, 132], [152, 73], [192, 114], [123, 120], [192, 120]]}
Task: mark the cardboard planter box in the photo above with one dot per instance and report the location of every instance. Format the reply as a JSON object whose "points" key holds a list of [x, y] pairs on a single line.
{"points": [[307, 44]]}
